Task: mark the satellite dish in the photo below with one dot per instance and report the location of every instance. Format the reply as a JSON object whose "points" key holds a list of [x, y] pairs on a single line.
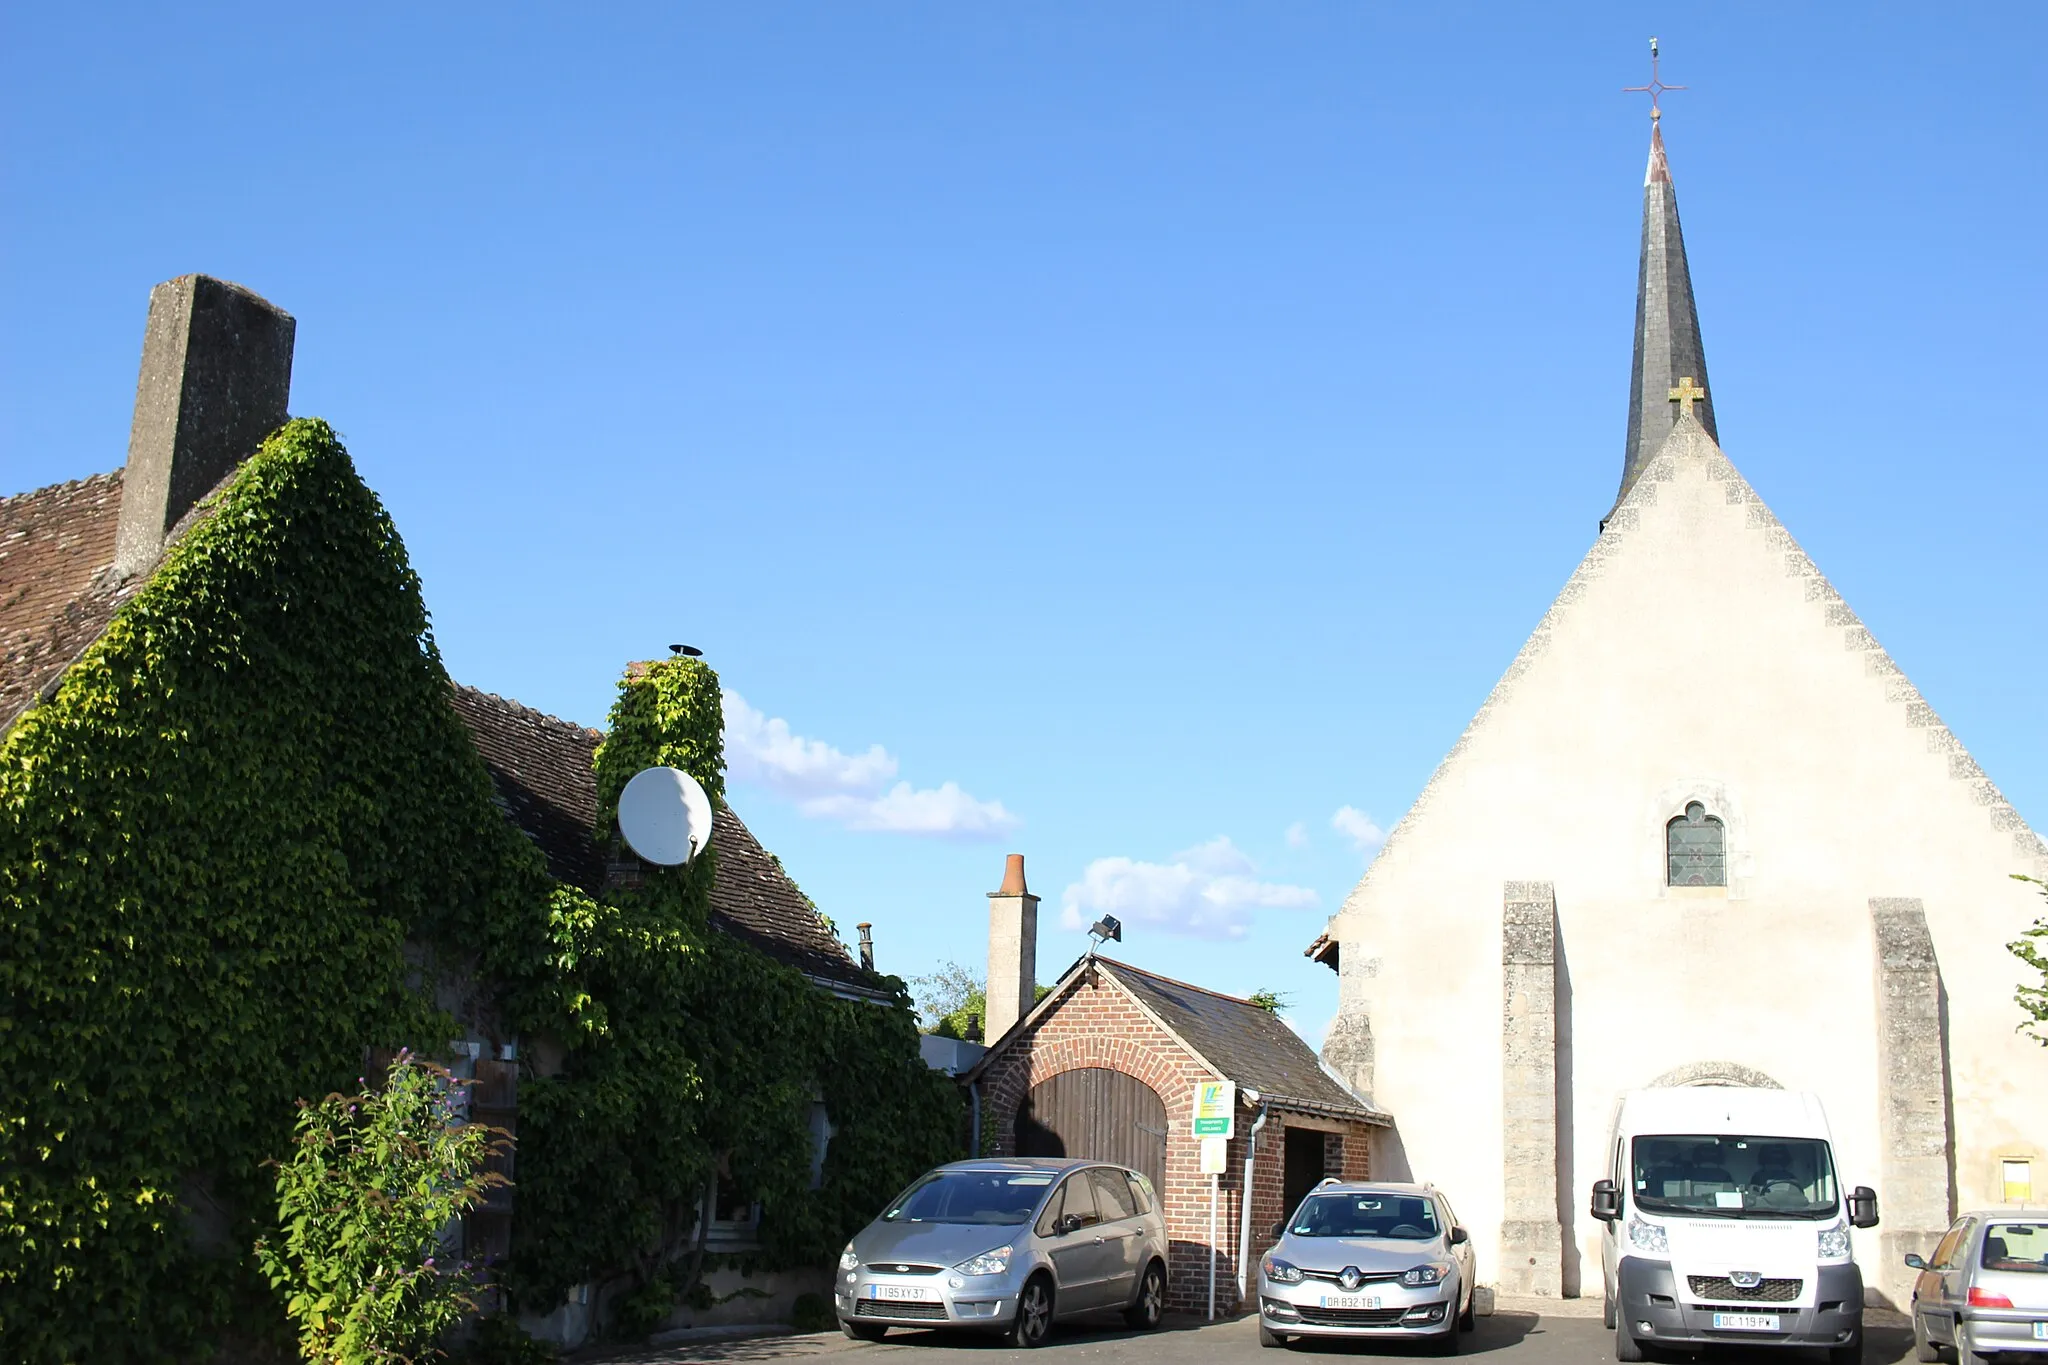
{"points": [[665, 816]]}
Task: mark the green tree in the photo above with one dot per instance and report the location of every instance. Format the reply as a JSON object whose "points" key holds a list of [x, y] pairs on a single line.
{"points": [[372, 1181], [2031, 947], [1272, 1002]]}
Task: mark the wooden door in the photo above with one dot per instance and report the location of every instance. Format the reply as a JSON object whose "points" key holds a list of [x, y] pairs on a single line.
{"points": [[1097, 1114]]}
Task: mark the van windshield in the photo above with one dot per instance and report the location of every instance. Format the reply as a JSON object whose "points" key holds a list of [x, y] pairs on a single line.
{"points": [[1734, 1177]]}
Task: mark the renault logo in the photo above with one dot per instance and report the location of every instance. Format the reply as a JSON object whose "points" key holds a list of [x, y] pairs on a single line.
{"points": [[1745, 1279], [1348, 1277]]}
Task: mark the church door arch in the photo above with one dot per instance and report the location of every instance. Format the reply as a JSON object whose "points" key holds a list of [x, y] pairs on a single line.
{"points": [[1097, 1114], [1717, 1073]]}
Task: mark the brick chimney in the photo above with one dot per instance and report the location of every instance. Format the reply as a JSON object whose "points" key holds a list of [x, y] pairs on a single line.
{"points": [[216, 379], [1012, 951]]}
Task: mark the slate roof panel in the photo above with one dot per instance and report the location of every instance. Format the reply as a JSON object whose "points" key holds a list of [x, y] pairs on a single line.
{"points": [[542, 769], [1248, 1045]]}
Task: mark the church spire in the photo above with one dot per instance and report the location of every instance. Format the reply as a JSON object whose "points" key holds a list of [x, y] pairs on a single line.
{"points": [[1668, 348]]}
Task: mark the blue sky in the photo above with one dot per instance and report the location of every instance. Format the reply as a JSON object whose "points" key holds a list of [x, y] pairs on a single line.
{"points": [[1138, 432]]}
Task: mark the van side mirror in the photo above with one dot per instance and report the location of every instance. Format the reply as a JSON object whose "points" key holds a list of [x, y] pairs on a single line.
{"points": [[1916, 1260], [1606, 1201], [1863, 1207], [1459, 1236]]}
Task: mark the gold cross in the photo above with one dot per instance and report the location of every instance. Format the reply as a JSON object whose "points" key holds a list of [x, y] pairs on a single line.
{"points": [[1687, 393]]}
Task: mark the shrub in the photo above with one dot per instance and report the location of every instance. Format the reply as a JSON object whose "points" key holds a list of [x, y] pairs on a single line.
{"points": [[373, 1181]]}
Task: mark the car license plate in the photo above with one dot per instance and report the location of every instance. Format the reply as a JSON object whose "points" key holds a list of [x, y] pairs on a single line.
{"points": [[1747, 1322], [2041, 1331], [1351, 1300], [903, 1293]]}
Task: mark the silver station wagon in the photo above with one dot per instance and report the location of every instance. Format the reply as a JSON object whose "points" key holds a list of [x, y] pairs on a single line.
{"points": [[1368, 1260], [1007, 1246], [1985, 1290]]}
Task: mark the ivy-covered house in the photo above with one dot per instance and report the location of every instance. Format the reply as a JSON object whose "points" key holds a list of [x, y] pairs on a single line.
{"points": [[252, 836]]}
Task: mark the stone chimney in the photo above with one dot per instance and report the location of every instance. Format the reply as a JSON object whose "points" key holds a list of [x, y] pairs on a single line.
{"points": [[216, 379], [1012, 951], [867, 946]]}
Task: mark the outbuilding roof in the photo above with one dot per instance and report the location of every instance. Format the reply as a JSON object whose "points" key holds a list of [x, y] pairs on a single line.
{"points": [[1239, 1041]]}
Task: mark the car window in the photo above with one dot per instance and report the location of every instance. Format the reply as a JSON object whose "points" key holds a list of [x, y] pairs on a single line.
{"points": [[1112, 1194], [1081, 1200], [1403, 1217], [1049, 1216], [1945, 1254], [1141, 1191], [2018, 1247]]}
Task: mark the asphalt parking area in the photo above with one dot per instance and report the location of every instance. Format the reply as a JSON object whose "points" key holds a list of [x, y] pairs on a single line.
{"points": [[1523, 1338]]}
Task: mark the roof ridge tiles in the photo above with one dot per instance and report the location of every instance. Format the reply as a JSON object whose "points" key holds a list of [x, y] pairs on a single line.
{"points": [[107, 476]]}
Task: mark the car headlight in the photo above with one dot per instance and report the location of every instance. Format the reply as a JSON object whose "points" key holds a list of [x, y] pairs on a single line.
{"points": [[988, 1263], [1429, 1272], [1648, 1237], [1834, 1243], [1279, 1271], [847, 1260]]}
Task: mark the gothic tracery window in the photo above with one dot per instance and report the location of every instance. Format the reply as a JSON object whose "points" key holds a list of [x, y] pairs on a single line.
{"points": [[1696, 846]]}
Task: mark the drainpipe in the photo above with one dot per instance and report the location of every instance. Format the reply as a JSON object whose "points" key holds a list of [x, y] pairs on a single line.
{"points": [[974, 1122], [1244, 1232]]}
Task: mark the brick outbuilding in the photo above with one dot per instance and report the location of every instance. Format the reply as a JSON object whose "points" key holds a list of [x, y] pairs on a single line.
{"points": [[1106, 1065]]}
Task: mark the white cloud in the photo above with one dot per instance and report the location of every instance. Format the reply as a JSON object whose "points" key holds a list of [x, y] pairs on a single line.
{"points": [[1297, 835], [1208, 891], [851, 789], [1355, 825]]}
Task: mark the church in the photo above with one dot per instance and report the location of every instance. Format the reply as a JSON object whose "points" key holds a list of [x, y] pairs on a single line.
{"points": [[1704, 831]]}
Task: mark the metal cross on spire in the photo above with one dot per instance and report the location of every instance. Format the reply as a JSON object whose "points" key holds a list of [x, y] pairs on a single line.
{"points": [[1654, 89]]}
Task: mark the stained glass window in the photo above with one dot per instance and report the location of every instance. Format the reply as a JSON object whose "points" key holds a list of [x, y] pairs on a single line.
{"points": [[1697, 846]]}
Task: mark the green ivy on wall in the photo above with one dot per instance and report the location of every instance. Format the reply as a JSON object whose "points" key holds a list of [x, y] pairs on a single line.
{"points": [[689, 1054], [219, 841], [248, 839]]}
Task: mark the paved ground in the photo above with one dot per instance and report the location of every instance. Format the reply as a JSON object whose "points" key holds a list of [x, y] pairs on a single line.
{"points": [[1510, 1337]]}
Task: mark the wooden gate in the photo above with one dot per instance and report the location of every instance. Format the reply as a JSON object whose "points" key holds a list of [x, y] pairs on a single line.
{"points": [[1099, 1114]]}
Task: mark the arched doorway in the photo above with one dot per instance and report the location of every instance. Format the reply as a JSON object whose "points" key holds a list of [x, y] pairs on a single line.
{"points": [[1717, 1073], [1099, 1114]]}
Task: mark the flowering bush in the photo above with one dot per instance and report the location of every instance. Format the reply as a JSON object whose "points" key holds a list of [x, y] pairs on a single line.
{"points": [[374, 1183]]}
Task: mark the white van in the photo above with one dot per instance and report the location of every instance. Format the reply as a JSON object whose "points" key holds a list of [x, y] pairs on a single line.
{"points": [[1725, 1223]]}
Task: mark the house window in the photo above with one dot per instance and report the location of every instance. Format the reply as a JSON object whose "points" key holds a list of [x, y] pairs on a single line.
{"points": [[735, 1220], [1696, 846], [822, 1132]]}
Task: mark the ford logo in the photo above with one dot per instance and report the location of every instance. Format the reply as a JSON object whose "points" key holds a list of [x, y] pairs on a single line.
{"points": [[1348, 1277], [1745, 1279]]}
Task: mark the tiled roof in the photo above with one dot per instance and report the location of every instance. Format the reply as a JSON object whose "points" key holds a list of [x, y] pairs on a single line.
{"points": [[57, 591], [542, 769], [1244, 1043]]}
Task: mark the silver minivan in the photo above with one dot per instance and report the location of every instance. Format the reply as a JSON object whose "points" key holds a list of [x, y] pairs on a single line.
{"points": [[1009, 1246], [1985, 1291]]}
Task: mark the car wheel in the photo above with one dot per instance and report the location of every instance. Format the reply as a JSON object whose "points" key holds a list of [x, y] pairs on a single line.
{"points": [[1850, 1353], [1626, 1347], [863, 1331], [1607, 1311], [1924, 1348], [1469, 1319], [1445, 1345], [1269, 1337], [1966, 1350], [1150, 1306], [1033, 1323]]}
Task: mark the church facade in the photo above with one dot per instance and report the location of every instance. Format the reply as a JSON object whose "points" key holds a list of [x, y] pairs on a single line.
{"points": [[1704, 831]]}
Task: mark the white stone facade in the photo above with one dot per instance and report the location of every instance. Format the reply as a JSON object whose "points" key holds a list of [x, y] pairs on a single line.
{"points": [[1697, 655]]}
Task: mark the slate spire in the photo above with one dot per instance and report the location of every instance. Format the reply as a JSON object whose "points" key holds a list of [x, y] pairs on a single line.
{"points": [[1667, 325]]}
